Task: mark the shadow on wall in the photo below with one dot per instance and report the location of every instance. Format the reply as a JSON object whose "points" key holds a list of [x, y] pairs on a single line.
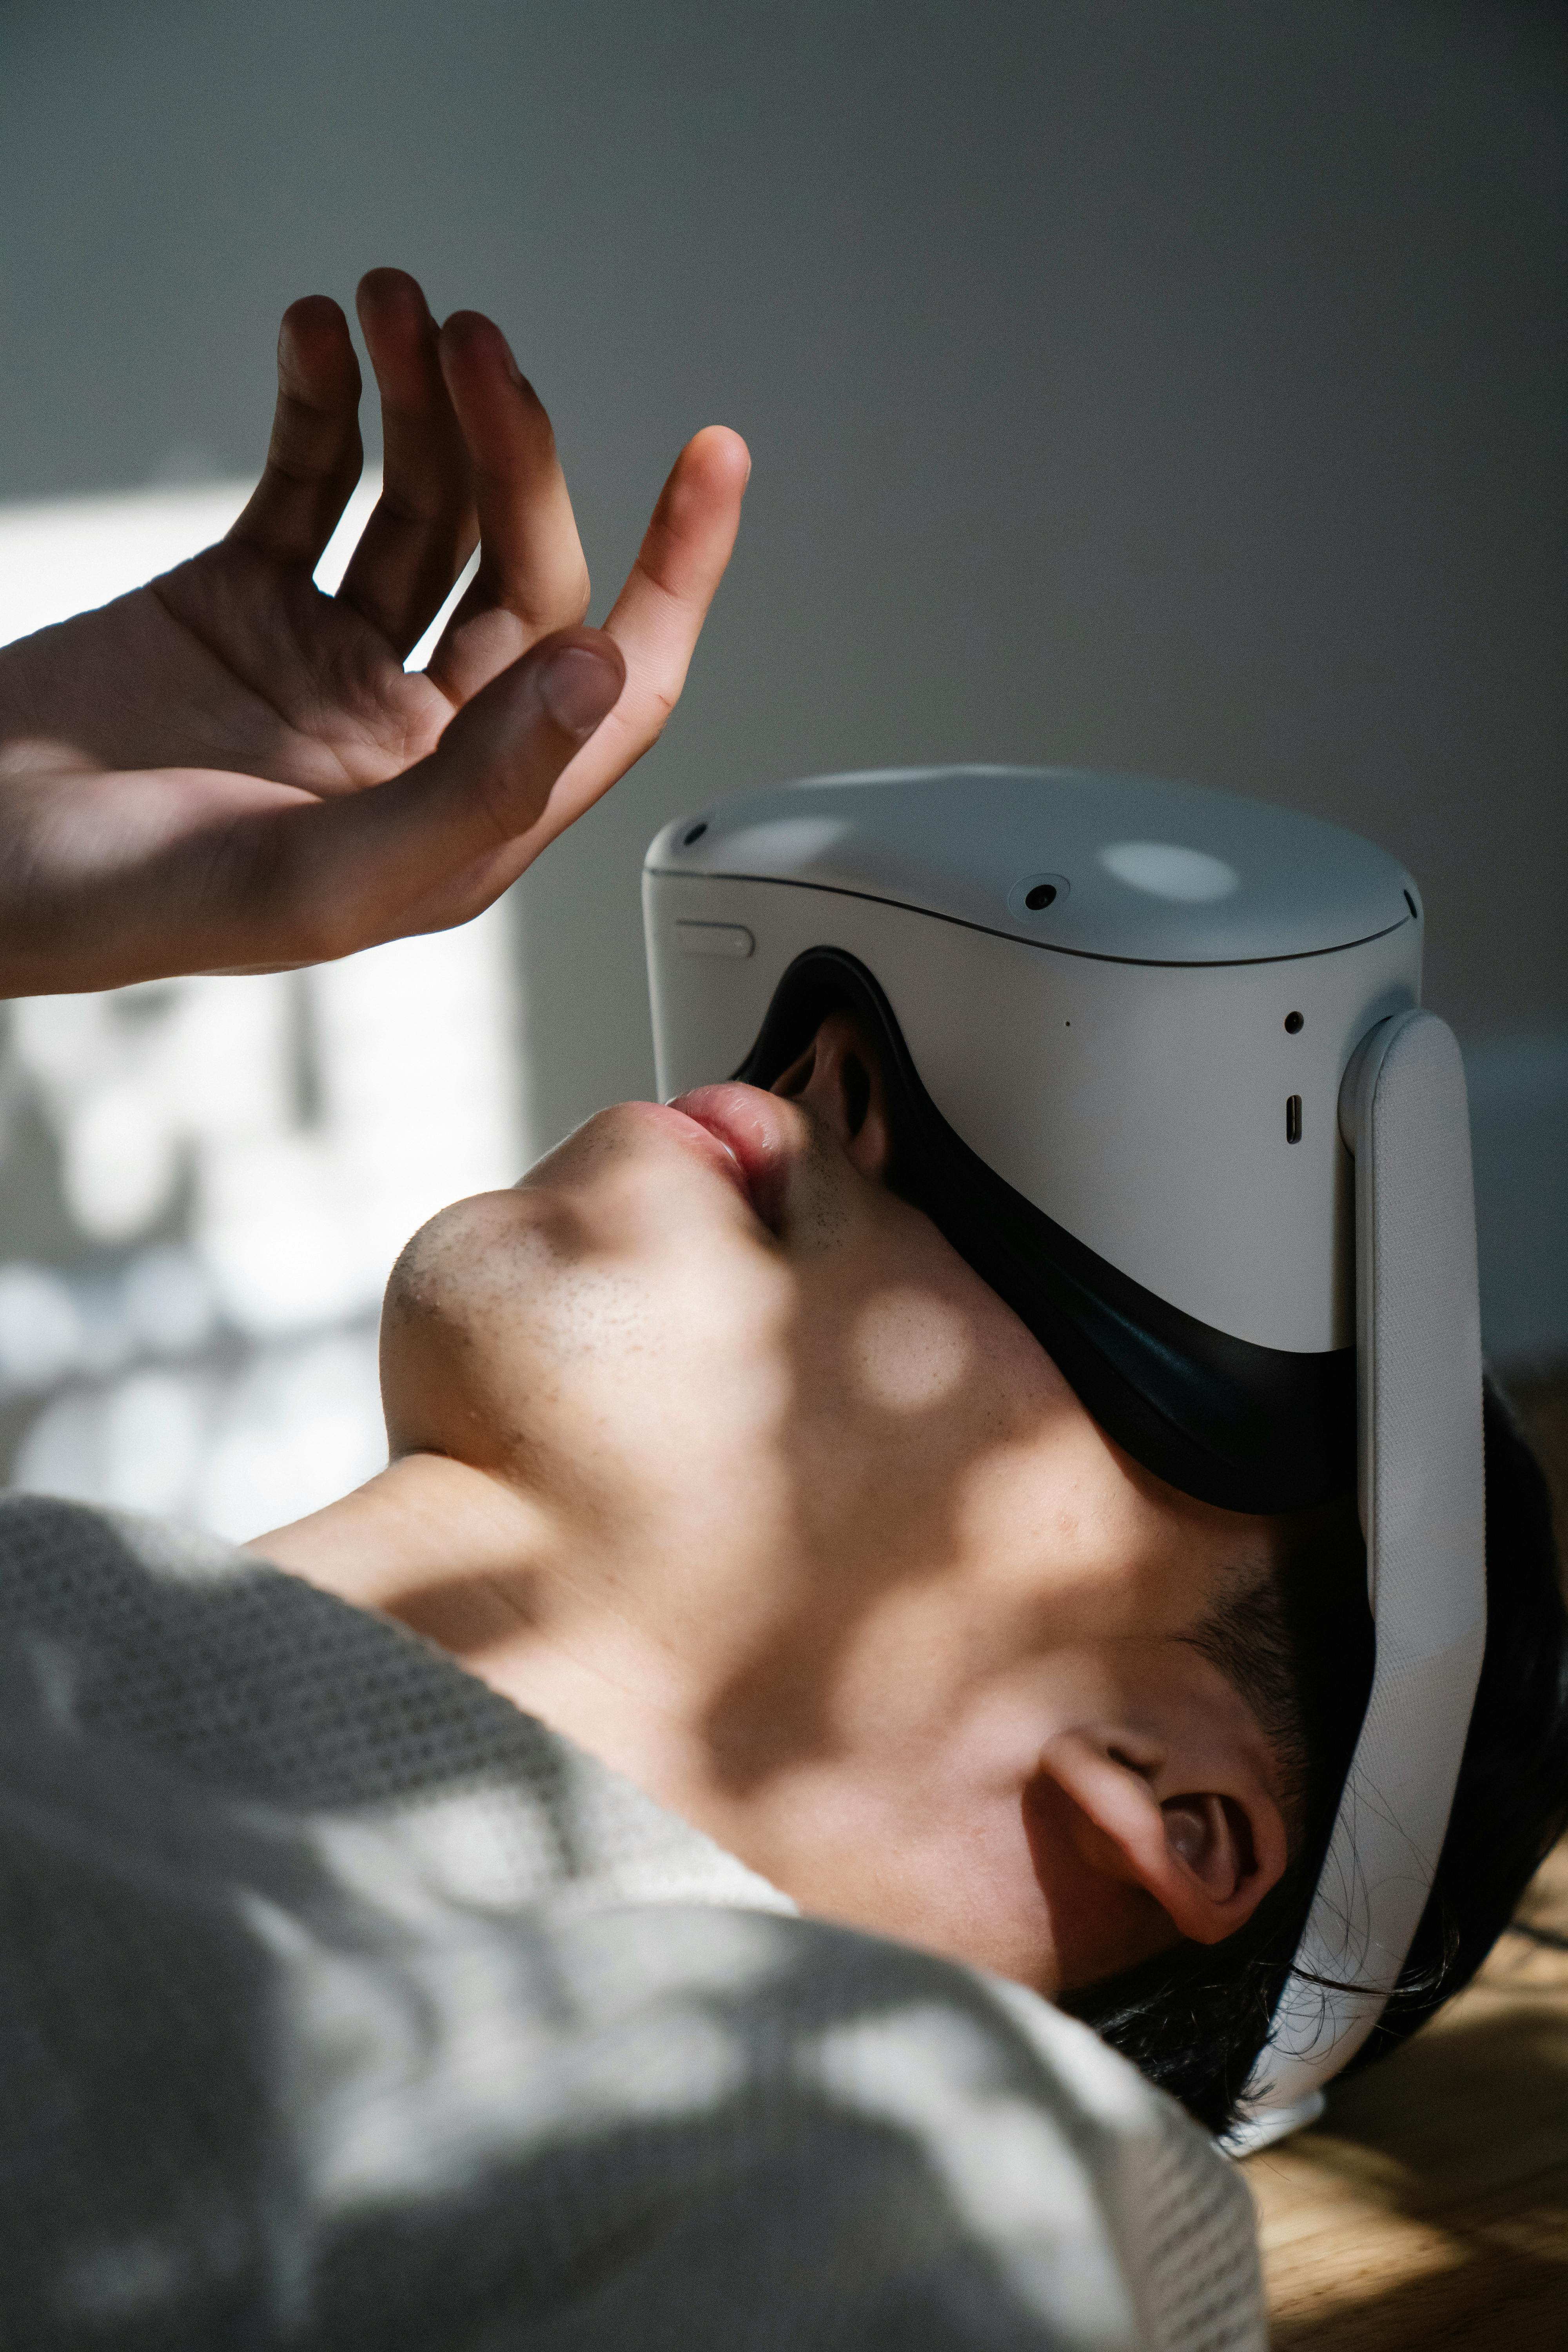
{"points": [[203, 1186]]}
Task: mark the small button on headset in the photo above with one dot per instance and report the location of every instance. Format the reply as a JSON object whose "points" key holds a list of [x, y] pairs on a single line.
{"points": [[1037, 894]]}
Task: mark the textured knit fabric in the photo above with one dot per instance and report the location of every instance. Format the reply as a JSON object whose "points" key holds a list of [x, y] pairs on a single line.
{"points": [[343, 2005]]}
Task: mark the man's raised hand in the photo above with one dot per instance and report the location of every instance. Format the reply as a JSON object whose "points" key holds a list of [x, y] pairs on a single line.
{"points": [[227, 769]]}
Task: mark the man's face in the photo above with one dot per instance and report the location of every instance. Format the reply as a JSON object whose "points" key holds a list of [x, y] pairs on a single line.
{"points": [[833, 1490]]}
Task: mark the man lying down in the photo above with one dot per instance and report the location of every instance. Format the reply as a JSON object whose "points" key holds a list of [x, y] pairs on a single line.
{"points": [[618, 1877]]}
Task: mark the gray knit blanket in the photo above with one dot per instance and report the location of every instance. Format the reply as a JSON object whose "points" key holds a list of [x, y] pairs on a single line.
{"points": [[343, 2005]]}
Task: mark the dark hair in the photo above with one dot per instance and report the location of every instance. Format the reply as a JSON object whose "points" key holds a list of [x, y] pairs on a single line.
{"points": [[1299, 1649]]}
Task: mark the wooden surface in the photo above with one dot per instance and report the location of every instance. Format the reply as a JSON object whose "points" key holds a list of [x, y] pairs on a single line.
{"points": [[1429, 2209]]}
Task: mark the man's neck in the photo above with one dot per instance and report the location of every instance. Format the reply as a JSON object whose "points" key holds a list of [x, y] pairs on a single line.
{"points": [[428, 1540], [462, 1557]]}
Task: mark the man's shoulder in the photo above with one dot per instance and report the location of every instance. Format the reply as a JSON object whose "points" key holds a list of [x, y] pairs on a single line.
{"points": [[143, 1637], [143, 1631]]}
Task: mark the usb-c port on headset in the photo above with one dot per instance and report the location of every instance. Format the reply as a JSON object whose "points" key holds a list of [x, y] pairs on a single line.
{"points": [[1292, 1119]]}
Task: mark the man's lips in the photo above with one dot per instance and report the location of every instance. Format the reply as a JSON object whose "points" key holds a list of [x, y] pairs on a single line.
{"points": [[753, 1131]]}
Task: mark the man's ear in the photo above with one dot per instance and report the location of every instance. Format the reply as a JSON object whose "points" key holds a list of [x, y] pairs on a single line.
{"points": [[1193, 1822], [839, 1079]]}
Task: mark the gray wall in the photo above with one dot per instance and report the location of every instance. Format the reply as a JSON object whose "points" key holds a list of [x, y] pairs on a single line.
{"points": [[1176, 387]]}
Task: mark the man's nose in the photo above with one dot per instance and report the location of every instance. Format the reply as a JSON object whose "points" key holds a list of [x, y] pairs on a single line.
{"points": [[842, 1087]]}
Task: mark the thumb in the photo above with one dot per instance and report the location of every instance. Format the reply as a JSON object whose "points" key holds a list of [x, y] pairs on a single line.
{"points": [[434, 845]]}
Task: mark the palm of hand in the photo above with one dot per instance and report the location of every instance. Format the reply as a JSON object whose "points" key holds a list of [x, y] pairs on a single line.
{"points": [[239, 672], [229, 769]]}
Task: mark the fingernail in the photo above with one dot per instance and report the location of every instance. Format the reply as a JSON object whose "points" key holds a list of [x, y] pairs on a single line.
{"points": [[577, 687]]}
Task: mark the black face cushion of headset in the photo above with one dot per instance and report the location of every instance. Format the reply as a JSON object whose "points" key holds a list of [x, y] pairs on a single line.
{"points": [[1248, 1428]]}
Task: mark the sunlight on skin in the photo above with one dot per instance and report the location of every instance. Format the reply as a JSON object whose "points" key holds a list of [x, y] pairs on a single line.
{"points": [[924, 1664], [911, 1350]]}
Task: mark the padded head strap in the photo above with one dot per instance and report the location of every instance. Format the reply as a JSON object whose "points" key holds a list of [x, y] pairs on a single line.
{"points": [[1403, 1114]]}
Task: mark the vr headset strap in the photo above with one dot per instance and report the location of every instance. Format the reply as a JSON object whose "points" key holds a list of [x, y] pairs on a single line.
{"points": [[1402, 1114]]}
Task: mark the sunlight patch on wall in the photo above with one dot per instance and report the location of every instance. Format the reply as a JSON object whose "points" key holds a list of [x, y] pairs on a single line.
{"points": [[203, 1182]]}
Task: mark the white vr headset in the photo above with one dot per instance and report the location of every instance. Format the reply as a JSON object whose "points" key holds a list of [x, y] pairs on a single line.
{"points": [[1161, 1079]]}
